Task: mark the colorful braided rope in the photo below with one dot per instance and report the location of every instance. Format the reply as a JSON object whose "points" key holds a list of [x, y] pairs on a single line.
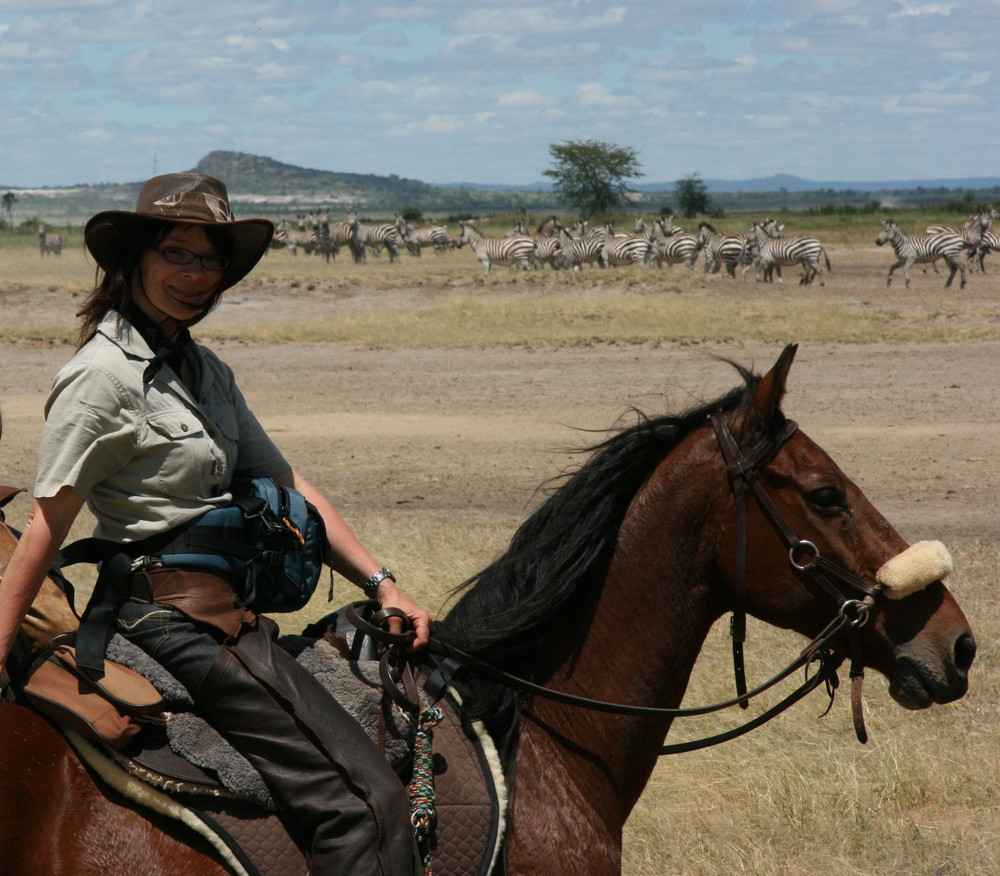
{"points": [[422, 813]]}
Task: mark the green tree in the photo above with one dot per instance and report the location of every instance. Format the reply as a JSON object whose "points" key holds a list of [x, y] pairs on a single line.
{"points": [[692, 196], [9, 200], [592, 176]]}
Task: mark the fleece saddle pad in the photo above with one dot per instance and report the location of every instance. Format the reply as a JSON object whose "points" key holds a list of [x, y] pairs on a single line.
{"points": [[470, 805]]}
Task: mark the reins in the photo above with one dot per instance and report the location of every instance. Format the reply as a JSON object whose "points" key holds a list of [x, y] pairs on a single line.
{"points": [[803, 556]]}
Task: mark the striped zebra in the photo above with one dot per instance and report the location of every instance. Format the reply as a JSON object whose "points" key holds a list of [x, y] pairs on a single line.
{"points": [[320, 221], [628, 249], [775, 251], [417, 238], [579, 251], [919, 250], [990, 243], [671, 246], [549, 227], [295, 238], [548, 249], [971, 232], [48, 242], [491, 251], [580, 229], [721, 249], [379, 236]]}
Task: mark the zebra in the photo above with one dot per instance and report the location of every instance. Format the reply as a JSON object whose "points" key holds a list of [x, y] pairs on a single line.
{"points": [[294, 238], [320, 220], [428, 235], [776, 251], [580, 229], [672, 246], [490, 251], [630, 249], [548, 250], [48, 242], [721, 249], [918, 250], [972, 232], [990, 243], [549, 227], [577, 251], [375, 237]]}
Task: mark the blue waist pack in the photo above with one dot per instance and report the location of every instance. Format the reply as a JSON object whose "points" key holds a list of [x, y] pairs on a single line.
{"points": [[270, 540]]}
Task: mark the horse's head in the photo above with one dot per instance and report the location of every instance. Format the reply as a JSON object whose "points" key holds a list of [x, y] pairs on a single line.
{"points": [[822, 548]]}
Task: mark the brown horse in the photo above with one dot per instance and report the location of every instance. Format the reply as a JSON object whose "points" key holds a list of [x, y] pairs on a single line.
{"points": [[607, 591]]}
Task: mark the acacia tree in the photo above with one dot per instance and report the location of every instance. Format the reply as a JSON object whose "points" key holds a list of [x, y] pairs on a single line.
{"points": [[9, 199], [692, 196], [591, 175]]}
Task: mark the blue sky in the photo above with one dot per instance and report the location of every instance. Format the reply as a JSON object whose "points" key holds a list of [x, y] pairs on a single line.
{"points": [[107, 90]]}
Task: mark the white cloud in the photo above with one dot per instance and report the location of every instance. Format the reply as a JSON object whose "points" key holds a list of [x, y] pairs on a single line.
{"points": [[525, 99], [921, 9]]}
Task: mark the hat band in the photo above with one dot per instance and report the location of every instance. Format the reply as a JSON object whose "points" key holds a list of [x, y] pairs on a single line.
{"points": [[199, 206]]}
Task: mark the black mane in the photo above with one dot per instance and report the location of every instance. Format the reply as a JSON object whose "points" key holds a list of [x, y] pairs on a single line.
{"points": [[561, 551]]}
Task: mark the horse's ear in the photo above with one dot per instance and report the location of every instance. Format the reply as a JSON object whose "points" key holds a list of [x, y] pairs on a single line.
{"points": [[771, 389]]}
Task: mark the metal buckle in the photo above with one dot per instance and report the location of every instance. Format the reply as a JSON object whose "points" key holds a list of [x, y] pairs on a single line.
{"points": [[802, 544], [861, 607]]}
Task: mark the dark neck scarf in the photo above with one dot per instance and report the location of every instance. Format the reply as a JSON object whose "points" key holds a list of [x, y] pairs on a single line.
{"points": [[165, 350]]}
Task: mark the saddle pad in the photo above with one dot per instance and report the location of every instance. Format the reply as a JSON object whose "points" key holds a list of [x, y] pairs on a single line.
{"points": [[470, 800], [470, 797]]}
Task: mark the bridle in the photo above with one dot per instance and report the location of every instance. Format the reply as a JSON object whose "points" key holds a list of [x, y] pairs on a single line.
{"points": [[803, 556]]}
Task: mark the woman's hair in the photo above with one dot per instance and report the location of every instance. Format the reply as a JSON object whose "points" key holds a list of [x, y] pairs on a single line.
{"points": [[113, 287]]}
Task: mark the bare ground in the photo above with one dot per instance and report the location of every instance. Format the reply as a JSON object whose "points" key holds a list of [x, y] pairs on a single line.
{"points": [[914, 424]]}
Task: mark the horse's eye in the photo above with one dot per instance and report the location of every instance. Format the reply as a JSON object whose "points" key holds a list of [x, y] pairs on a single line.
{"points": [[827, 498]]}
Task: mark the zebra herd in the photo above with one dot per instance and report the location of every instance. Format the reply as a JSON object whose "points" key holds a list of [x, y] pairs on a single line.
{"points": [[316, 234], [663, 243], [975, 240]]}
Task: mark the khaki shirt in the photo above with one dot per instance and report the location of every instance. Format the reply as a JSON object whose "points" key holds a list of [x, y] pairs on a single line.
{"points": [[147, 457]]}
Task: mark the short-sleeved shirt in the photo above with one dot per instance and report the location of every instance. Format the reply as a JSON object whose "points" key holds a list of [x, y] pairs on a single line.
{"points": [[147, 456]]}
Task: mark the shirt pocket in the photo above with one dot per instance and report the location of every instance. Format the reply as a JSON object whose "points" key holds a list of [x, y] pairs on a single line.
{"points": [[179, 452]]}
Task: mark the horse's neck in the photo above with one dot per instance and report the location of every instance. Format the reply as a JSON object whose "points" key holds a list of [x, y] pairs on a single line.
{"points": [[642, 638]]}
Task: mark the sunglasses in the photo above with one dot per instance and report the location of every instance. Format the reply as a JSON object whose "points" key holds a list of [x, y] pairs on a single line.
{"points": [[178, 256]]}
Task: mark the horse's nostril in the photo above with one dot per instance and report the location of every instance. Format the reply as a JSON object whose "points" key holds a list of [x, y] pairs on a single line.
{"points": [[965, 652]]}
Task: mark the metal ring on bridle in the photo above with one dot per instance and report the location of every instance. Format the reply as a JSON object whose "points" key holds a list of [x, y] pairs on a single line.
{"points": [[798, 546], [861, 607]]}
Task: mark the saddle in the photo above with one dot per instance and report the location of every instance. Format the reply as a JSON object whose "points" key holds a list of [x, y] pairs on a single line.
{"points": [[210, 787]]}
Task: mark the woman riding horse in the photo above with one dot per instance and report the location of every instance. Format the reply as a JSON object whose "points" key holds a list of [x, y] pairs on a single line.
{"points": [[149, 429]]}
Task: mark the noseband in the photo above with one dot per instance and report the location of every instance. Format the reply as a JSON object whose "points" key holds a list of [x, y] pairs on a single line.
{"points": [[803, 556]]}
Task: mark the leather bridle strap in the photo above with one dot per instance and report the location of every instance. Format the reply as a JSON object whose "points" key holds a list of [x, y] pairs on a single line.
{"points": [[740, 469], [803, 555]]}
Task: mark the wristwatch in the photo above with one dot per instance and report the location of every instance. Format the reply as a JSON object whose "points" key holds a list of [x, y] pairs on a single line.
{"points": [[370, 586]]}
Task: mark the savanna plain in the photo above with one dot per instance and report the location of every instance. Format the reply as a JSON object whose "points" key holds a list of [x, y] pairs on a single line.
{"points": [[433, 403]]}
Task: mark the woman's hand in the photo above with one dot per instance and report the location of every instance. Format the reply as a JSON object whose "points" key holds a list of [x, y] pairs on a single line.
{"points": [[390, 596]]}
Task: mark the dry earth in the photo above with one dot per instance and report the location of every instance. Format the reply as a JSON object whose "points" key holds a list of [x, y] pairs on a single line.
{"points": [[914, 424]]}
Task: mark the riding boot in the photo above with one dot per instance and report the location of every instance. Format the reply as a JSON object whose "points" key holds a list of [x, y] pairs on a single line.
{"points": [[314, 758]]}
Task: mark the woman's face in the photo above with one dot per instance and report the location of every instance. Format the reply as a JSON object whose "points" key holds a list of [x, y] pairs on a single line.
{"points": [[171, 294]]}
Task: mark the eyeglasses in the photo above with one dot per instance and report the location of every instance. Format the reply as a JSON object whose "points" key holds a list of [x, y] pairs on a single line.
{"points": [[178, 256]]}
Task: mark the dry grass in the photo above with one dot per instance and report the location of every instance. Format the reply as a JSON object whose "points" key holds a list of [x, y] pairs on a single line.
{"points": [[446, 302]]}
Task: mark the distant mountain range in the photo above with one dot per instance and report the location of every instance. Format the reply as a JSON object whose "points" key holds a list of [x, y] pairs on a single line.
{"points": [[777, 183], [273, 188]]}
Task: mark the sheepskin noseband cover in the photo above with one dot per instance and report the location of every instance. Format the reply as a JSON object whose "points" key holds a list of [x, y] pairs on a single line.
{"points": [[916, 567]]}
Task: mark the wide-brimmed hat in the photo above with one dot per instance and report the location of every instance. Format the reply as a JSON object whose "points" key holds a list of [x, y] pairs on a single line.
{"points": [[191, 198]]}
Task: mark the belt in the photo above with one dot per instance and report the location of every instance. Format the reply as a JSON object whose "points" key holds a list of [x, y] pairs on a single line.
{"points": [[202, 596]]}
